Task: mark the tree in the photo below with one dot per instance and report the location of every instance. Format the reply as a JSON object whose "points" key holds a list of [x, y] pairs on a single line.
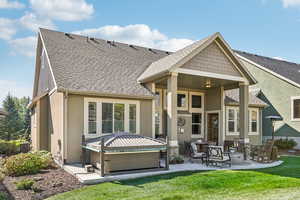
{"points": [[17, 120]]}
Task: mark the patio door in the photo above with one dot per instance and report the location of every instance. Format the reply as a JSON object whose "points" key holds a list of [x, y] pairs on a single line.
{"points": [[213, 127]]}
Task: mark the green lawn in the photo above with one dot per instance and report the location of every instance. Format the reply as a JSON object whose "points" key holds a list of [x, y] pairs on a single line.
{"points": [[281, 182]]}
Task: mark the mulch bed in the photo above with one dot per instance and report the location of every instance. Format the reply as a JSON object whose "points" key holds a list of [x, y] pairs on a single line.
{"points": [[49, 182], [294, 152]]}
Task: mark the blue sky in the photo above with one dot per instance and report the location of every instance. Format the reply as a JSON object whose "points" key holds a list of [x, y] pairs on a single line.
{"points": [[265, 27]]}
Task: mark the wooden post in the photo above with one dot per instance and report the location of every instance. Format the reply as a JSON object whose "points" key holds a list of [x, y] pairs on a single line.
{"points": [[83, 151], [102, 158], [167, 154]]}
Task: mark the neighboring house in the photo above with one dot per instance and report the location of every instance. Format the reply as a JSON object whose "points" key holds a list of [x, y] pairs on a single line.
{"points": [[2, 113], [279, 86], [94, 87]]}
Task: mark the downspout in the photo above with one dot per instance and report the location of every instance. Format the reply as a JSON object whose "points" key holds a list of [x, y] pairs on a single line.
{"points": [[65, 122]]}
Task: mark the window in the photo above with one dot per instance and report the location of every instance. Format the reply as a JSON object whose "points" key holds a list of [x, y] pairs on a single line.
{"points": [[157, 123], [92, 117], [253, 121], [196, 123], [182, 100], [158, 98], [231, 120], [106, 116], [132, 118], [196, 102], [295, 108]]}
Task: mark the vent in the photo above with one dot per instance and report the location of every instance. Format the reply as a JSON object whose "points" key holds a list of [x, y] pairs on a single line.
{"points": [[167, 52], [151, 50], [69, 35], [94, 40], [112, 43]]}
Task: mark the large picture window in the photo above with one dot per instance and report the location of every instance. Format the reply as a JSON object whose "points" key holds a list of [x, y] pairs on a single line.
{"points": [[295, 108], [106, 116]]}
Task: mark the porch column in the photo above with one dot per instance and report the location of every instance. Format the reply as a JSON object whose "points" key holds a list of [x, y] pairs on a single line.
{"points": [[172, 114], [244, 117]]}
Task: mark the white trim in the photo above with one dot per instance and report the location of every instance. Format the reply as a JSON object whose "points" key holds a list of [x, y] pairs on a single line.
{"points": [[197, 110], [210, 75], [269, 71], [206, 123], [99, 102], [48, 59], [292, 108]]}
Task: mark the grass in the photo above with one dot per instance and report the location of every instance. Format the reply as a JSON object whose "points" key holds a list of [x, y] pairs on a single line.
{"points": [[280, 182]]}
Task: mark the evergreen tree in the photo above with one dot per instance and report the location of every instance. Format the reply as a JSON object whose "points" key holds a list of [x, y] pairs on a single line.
{"points": [[12, 125]]}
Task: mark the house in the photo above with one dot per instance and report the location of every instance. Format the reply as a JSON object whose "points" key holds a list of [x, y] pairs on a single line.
{"points": [[2, 113], [92, 87], [278, 84]]}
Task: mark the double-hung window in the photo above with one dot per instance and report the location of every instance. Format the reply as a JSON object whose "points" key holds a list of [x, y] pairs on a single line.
{"points": [[106, 116], [295, 108], [253, 121], [232, 125]]}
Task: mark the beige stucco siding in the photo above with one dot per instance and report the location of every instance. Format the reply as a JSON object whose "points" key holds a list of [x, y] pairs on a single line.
{"points": [[75, 127], [210, 60], [56, 113], [75, 124]]}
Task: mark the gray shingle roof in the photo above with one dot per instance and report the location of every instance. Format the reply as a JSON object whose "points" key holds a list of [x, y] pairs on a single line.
{"points": [[96, 66], [232, 98], [286, 69]]}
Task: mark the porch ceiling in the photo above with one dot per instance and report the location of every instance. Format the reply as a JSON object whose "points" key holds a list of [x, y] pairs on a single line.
{"points": [[200, 82]]}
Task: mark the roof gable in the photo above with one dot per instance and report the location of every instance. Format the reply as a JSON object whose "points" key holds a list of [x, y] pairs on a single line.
{"points": [[172, 62], [210, 60]]}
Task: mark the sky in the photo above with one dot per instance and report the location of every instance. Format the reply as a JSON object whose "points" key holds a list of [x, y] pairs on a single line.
{"points": [[264, 27]]}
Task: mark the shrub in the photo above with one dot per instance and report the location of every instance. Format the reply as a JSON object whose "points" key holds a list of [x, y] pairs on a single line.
{"points": [[27, 163], [3, 196], [176, 160], [25, 184], [2, 176], [10, 147], [285, 143]]}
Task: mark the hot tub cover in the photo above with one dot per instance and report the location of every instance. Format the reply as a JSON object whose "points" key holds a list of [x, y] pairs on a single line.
{"points": [[124, 142]]}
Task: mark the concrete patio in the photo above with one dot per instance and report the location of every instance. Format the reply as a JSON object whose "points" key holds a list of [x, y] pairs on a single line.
{"points": [[190, 165]]}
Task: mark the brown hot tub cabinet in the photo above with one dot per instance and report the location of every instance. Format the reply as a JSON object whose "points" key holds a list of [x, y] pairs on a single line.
{"points": [[124, 152]]}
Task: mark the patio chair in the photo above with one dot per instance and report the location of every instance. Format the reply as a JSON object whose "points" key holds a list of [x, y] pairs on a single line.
{"points": [[196, 153], [217, 157], [262, 153]]}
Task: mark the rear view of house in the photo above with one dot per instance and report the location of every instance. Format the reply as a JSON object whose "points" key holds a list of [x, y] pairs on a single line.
{"points": [[93, 87]]}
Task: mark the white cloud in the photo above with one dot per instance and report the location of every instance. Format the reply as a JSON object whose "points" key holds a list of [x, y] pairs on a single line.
{"points": [[8, 28], [11, 4], [33, 22], [279, 58], [14, 88], [25, 46], [290, 3], [65, 10], [138, 34]]}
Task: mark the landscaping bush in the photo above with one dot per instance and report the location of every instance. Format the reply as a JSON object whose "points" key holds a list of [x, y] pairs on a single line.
{"points": [[25, 184], [285, 143], [3, 196], [10, 147], [27, 163], [176, 160]]}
